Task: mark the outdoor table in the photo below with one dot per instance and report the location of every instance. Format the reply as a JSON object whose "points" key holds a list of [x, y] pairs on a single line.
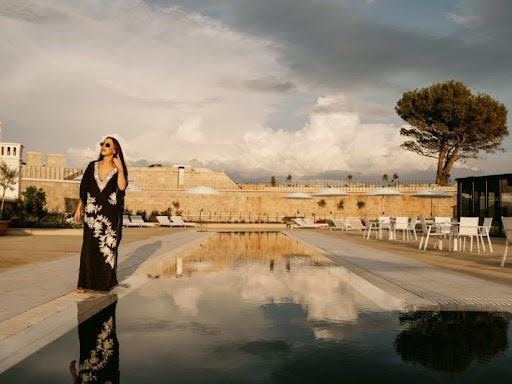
{"points": [[450, 230], [374, 224]]}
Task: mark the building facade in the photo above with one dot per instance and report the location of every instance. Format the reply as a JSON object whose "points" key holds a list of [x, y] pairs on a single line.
{"points": [[485, 196], [11, 154]]}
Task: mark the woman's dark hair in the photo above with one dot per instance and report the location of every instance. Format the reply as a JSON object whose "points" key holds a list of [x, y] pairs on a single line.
{"points": [[119, 152]]}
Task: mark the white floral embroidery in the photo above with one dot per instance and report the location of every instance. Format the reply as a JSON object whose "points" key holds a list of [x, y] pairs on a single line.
{"points": [[102, 183], [102, 230], [112, 199], [99, 356]]}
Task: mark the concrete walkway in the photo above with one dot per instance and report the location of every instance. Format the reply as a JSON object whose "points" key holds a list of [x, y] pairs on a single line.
{"points": [[407, 284]]}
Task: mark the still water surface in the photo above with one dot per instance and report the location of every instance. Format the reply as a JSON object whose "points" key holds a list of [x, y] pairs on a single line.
{"points": [[258, 308]]}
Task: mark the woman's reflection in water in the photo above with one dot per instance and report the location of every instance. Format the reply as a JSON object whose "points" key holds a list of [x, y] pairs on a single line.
{"points": [[99, 348]]}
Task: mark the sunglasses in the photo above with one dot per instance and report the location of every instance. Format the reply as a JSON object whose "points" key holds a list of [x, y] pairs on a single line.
{"points": [[103, 144]]}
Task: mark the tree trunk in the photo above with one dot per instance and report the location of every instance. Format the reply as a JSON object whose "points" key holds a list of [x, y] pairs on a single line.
{"points": [[444, 168], [441, 176], [2, 206]]}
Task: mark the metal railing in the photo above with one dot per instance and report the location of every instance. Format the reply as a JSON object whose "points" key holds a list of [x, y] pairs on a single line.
{"points": [[50, 173]]}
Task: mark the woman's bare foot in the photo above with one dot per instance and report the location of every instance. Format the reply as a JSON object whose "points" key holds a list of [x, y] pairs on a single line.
{"points": [[80, 290]]}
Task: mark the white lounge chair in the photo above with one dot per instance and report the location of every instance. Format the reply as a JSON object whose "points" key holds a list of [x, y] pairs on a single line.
{"points": [[354, 223], [309, 221], [164, 221], [127, 222], [138, 221], [507, 228], [177, 221], [340, 225], [302, 223]]}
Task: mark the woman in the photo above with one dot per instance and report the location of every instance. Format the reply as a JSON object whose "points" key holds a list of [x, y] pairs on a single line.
{"points": [[102, 197]]}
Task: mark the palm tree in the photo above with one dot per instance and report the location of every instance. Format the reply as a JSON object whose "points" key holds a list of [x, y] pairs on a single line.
{"points": [[289, 179], [321, 203], [177, 209], [8, 179], [340, 205]]}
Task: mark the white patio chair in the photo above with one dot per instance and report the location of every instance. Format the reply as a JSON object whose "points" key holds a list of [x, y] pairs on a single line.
{"points": [[366, 225], [402, 224], [412, 227], [439, 230], [507, 228], [164, 221], [468, 227], [177, 221], [384, 225], [484, 230]]}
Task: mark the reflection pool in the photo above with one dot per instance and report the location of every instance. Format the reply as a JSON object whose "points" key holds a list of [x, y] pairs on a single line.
{"points": [[262, 308]]}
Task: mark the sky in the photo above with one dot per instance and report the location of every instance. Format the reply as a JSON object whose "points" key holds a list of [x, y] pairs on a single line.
{"points": [[252, 87]]}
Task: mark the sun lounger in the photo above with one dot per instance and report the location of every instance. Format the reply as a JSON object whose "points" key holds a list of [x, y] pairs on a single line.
{"points": [[127, 222], [164, 221], [354, 223], [347, 224], [339, 225], [138, 221], [306, 224], [309, 221], [177, 221]]}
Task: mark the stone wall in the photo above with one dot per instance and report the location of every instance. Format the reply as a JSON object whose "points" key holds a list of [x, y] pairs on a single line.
{"points": [[61, 195], [155, 188], [167, 178], [264, 205]]}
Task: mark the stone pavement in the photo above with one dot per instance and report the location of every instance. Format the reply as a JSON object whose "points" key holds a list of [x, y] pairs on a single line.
{"points": [[407, 284]]}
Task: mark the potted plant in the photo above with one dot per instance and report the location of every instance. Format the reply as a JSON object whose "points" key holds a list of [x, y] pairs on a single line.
{"points": [[8, 179]]}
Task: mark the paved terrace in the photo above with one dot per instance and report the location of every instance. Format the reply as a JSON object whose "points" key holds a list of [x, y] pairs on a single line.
{"points": [[403, 283]]}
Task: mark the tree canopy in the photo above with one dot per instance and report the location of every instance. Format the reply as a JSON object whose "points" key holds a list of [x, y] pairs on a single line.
{"points": [[8, 179], [448, 123]]}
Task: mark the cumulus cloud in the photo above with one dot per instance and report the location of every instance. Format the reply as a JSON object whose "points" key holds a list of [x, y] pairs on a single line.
{"points": [[333, 138], [156, 76]]}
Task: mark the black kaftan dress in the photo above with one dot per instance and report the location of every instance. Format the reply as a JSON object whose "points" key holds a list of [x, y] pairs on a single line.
{"points": [[103, 204]]}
